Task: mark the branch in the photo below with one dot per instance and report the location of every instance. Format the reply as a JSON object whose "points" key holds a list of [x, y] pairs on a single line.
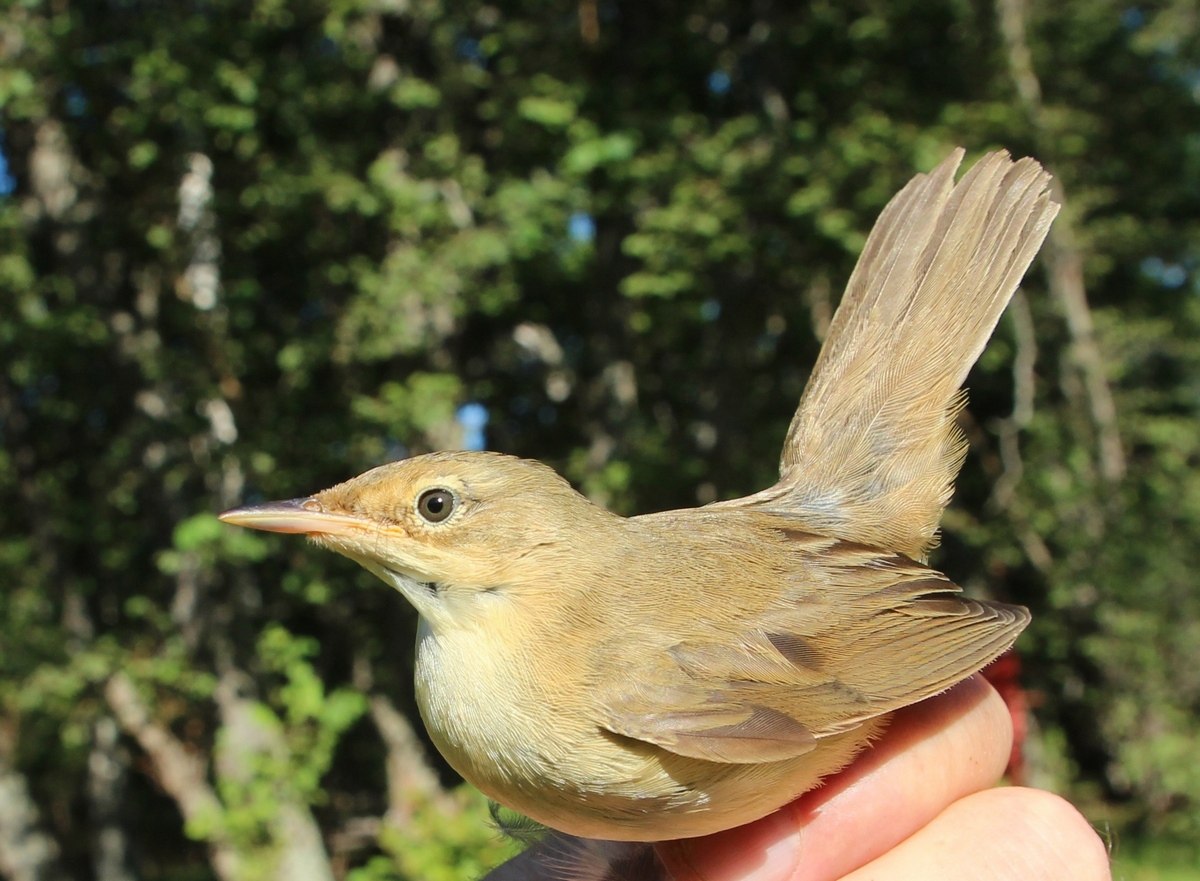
{"points": [[298, 847], [107, 779], [410, 779], [1066, 283], [27, 851], [182, 775], [1024, 361], [1064, 259]]}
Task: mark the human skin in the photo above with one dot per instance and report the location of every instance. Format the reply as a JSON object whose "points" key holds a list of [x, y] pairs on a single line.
{"points": [[922, 803]]}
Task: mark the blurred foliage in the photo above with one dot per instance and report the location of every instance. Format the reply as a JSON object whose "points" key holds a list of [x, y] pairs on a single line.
{"points": [[1152, 862], [249, 249]]}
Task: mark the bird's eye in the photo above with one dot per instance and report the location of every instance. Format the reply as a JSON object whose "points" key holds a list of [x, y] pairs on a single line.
{"points": [[435, 505]]}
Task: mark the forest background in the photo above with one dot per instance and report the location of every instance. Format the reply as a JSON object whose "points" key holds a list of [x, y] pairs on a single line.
{"points": [[249, 248]]}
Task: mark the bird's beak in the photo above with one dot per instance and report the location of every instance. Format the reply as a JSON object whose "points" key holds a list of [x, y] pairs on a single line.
{"points": [[303, 516]]}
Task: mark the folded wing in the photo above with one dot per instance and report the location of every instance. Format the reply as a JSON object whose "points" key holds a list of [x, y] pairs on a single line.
{"points": [[881, 633]]}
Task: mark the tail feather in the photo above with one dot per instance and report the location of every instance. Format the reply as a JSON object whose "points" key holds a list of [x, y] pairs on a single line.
{"points": [[873, 450]]}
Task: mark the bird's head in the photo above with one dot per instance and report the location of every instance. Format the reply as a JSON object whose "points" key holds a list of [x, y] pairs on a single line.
{"points": [[446, 529]]}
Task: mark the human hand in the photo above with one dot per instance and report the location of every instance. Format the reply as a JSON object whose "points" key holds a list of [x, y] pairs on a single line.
{"points": [[919, 804]]}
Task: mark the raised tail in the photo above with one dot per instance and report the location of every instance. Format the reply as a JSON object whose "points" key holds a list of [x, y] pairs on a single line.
{"points": [[873, 449]]}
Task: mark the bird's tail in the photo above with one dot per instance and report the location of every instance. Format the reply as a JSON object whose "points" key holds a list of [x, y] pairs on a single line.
{"points": [[873, 450]]}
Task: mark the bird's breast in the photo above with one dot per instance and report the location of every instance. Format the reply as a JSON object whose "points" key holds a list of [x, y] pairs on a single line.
{"points": [[488, 711], [515, 725]]}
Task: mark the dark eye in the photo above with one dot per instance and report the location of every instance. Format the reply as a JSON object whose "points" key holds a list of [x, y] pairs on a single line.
{"points": [[435, 505]]}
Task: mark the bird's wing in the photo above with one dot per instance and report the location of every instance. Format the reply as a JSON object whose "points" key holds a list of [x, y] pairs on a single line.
{"points": [[873, 449], [878, 633]]}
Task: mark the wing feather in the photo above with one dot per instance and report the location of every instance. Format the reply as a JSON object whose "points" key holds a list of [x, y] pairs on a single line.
{"points": [[888, 632]]}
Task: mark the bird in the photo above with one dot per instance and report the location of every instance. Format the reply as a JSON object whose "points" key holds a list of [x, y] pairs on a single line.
{"points": [[678, 673]]}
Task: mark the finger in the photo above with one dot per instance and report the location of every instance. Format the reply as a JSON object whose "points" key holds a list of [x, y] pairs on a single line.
{"points": [[998, 835], [932, 754]]}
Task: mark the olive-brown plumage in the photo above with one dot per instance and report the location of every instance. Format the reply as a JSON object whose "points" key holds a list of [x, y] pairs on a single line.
{"points": [[678, 673]]}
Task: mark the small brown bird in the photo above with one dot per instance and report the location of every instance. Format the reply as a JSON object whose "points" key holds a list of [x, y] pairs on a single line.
{"points": [[679, 673]]}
